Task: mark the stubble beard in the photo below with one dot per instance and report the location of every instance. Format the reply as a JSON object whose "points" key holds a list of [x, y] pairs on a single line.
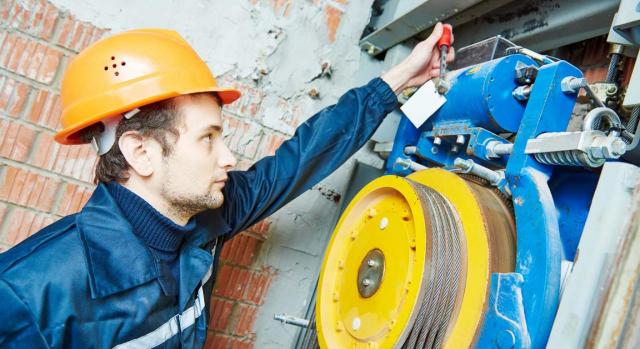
{"points": [[190, 204]]}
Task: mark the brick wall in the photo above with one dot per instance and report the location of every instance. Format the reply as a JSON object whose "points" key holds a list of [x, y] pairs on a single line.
{"points": [[42, 181]]}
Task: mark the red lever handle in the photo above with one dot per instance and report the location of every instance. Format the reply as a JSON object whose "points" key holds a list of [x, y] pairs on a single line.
{"points": [[445, 39]]}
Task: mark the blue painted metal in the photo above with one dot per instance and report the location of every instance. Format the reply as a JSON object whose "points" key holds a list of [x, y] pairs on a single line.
{"points": [[539, 252], [482, 95], [549, 214], [506, 317], [572, 192]]}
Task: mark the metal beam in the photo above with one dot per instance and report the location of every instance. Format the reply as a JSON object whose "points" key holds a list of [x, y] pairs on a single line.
{"points": [[541, 24], [424, 15]]}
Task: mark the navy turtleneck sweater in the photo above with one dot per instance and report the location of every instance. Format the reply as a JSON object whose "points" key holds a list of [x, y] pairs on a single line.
{"points": [[159, 233]]}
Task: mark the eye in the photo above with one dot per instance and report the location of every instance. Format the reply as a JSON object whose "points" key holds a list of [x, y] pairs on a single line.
{"points": [[209, 138]]}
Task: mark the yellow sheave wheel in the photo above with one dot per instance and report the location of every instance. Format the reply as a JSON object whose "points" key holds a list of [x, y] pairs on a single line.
{"points": [[383, 266]]}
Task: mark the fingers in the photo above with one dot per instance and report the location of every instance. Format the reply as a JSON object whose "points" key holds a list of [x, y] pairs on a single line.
{"points": [[435, 35]]}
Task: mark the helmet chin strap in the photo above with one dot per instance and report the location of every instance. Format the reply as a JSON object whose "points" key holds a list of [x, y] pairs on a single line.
{"points": [[103, 142]]}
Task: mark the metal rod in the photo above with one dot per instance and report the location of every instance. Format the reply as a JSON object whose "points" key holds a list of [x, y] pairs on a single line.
{"points": [[291, 320], [408, 164], [469, 166]]}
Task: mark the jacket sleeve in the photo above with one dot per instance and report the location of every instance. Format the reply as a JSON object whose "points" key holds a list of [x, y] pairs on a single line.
{"points": [[318, 147], [18, 328]]}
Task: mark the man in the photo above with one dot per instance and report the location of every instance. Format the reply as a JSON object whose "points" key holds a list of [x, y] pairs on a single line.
{"points": [[134, 268]]}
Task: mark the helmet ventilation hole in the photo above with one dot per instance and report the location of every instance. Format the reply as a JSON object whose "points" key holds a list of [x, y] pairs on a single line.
{"points": [[106, 68], [117, 73], [123, 63]]}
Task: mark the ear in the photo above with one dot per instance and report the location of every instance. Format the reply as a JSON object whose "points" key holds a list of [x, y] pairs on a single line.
{"points": [[134, 149]]}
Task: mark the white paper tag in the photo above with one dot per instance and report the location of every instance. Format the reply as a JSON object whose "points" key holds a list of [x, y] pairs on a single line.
{"points": [[424, 103]]}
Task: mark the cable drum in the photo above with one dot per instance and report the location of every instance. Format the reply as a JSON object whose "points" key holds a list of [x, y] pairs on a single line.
{"points": [[410, 262], [444, 277]]}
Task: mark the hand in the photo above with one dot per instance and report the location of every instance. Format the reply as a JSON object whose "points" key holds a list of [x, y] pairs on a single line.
{"points": [[422, 64]]}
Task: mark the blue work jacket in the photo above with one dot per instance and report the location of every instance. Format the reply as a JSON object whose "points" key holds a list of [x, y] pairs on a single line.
{"points": [[87, 281]]}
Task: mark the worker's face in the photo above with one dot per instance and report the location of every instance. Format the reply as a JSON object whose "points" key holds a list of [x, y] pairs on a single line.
{"points": [[192, 177]]}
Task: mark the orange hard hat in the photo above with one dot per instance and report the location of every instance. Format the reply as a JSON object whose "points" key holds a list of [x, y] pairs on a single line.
{"points": [[129, 70]]}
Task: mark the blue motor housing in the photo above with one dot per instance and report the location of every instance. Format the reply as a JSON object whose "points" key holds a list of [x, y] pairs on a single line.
{"points": [[482, 95]]}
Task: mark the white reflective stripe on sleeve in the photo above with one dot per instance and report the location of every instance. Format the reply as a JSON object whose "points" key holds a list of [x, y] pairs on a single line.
{"points": [[171, 328]]}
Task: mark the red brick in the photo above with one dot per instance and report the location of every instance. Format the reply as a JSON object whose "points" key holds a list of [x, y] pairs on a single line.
{"points": [[245, 319], [16, 140], [5, 8], [597, 74], [76, 38], [220, 313], [241, 250], [86, 38], [21, 187], [23, 223], [49, 66], [271, 143], [3, 211], [333, 16], [68, 24], [47, 151], [98, 34], [18, 98], [232, 282], [25, 59], [21, 14], [250, 102], [81, 160], [73, 199], [18, 49], [261, 228], [49, 21], [221, 341], [19, 225], [35, 62], [259, 285], [7, 48], [45, 110]]}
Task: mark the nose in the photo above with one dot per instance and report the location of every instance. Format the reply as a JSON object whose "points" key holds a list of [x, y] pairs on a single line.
{"points": [[227, 160]]}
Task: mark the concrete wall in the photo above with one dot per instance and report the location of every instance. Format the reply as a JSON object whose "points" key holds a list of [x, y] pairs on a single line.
{"points": [[290, 59]]}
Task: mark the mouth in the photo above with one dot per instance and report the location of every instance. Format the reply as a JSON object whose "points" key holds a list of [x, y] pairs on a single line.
{"points": [[221, 182]]}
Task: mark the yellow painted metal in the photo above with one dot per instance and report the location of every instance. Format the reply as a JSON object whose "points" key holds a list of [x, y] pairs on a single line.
{"points": [[387, 215], [345, 319]]}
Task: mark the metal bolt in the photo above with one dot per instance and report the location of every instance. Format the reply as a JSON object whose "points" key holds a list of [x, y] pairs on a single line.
{"points": [[384, 222], [571, 84], [434, 150], [355, 324], [618, 147], [372, 263], [366, 282]]}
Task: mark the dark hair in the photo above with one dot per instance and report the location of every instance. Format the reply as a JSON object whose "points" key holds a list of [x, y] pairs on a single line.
{"points": [[158, 120]]}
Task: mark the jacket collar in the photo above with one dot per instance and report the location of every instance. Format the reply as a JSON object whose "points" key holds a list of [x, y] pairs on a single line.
{"points": [[118, 260]]}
